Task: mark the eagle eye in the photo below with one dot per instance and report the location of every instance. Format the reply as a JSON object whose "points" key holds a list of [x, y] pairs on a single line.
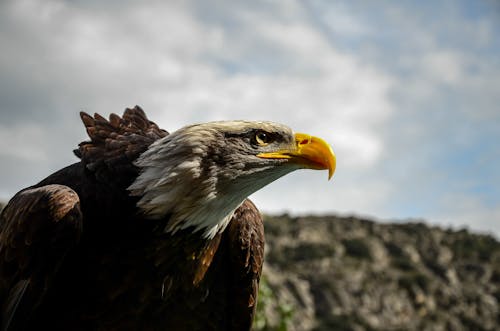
{"points": [[263, 138]]}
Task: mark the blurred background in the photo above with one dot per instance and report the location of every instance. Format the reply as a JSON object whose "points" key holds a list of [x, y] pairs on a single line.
{"points": [[407, 92]]}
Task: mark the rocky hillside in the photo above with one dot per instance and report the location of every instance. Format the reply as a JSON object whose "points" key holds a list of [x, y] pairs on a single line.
{"points": [[332, 273]]}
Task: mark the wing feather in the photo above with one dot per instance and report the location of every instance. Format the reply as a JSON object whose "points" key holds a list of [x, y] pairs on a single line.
{"points": [[37, 229], [246, 240], [14, 298]]}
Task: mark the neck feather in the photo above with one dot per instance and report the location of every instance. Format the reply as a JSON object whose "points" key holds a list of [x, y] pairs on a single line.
{"points": [[182, 185]]}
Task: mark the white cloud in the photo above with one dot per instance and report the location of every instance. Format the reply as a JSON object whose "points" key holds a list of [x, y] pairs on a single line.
{"points": [[24, 143], [188, 62], [165, 59], [443, 66], [342, 21]]}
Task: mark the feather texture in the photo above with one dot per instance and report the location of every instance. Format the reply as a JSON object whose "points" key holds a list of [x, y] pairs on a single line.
{"points": [[38, 228], [77, 254]]}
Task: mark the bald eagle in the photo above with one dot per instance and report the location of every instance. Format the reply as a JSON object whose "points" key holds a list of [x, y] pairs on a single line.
{"points": [[149, 230]]}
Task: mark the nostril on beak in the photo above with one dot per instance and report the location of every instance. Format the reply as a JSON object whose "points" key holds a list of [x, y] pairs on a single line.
{"points": [[302, 139], [304, 142]]}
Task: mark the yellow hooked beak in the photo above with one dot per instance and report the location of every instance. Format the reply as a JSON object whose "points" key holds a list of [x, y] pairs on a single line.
{"points": [[309, 152]]}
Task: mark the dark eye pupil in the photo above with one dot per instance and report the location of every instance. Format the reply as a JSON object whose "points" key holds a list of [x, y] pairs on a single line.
{"points": [[262, 136]]}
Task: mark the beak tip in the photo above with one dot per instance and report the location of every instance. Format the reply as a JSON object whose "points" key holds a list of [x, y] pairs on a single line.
{"points": [[332, 165]]}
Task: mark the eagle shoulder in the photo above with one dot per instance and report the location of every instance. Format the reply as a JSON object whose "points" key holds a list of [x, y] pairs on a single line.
{"points": [[38, 227]]}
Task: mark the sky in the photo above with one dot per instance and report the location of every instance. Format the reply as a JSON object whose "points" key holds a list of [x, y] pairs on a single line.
{"points": [[406, 92]]}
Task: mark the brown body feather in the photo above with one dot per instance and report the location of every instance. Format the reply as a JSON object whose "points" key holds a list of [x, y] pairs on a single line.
{"points": [[75, 253]]}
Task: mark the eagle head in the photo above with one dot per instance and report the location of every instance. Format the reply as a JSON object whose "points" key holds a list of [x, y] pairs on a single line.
{"points": [[199, 174]]}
